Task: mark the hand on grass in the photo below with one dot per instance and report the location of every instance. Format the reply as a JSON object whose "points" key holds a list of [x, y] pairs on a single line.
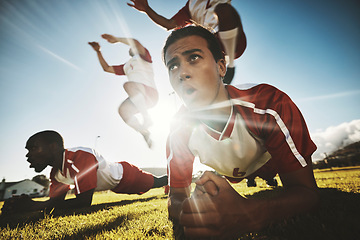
{"points": [[17, 204], [216, 209]]}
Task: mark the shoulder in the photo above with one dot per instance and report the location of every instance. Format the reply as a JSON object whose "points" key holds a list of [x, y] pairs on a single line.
{"points": [[257, 94], [252, 88], [80, 150], [79, 153]]}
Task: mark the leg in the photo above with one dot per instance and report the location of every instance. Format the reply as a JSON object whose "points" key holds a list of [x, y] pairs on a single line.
{"points": [[140, 103], [127, 111], [134, 180], [160, 181], [143, 97], [137, 95], [232, 36]]}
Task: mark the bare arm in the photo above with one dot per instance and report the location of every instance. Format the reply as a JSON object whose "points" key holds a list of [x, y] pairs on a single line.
{"points": [[102, 61], [132, 42], [82, 200], [26, 204], [143, 6], [227, 213]]}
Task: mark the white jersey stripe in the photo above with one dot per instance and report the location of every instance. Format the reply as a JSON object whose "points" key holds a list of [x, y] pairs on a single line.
{"points": [[171, 155], [75, 168], [76, 185], [280, 123]]}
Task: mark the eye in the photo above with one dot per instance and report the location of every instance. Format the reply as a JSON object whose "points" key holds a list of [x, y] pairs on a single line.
{"points": [[194, 57], [173, 67]]}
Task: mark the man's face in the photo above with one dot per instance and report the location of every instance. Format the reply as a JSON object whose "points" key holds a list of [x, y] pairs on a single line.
{"points": [[39, 154], [193, 72]]}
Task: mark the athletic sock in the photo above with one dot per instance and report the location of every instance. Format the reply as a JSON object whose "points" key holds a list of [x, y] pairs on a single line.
{"points": [[228, 39]]}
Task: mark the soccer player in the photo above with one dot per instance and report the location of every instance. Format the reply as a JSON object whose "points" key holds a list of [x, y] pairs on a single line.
{"points": [[140, 86], [217, 15], [82, 167], [239, 132]]}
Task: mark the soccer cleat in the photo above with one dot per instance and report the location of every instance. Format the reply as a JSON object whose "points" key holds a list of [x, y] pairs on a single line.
{"points": [[230, 72]]}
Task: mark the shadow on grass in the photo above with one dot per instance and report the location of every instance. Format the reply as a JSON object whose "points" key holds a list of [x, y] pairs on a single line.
{"points": [[20, 219], [337, 217]]}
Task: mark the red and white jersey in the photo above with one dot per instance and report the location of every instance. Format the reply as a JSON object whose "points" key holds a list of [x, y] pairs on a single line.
{"points": [[201, 12], [86, 169], [138, 69], [265, 128]]}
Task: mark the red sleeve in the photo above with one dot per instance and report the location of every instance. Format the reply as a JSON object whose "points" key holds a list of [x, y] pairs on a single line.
{"points": [[288, 139], [57, 188], [85, 171], [180, 158], [182, 17], [275, 119], [119, 69]]}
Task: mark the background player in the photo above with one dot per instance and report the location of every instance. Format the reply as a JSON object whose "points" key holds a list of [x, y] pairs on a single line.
{"points": [[82, 167], [140, 86], [238, 132], [217, 15]]}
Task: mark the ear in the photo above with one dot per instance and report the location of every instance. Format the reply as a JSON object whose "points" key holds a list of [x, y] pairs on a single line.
{"points": [[221, 67], [55, 147]]}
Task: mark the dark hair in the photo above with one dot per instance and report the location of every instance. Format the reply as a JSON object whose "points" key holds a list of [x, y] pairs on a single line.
{"points": [[195, 30], [49, 136]]}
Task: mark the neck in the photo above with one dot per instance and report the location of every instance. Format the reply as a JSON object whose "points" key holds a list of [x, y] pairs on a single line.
{"points": [[217, 114], [58, 159]]}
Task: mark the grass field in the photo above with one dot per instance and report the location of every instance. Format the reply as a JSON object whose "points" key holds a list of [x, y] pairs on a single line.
{"points": [[114, 216]]}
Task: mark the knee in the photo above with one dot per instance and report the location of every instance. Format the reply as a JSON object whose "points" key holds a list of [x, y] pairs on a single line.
{"points": [[227, 15], [122, 111], [224, 9]]}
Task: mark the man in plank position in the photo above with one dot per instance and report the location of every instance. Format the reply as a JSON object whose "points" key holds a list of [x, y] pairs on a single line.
{"points": [[82, 167]]}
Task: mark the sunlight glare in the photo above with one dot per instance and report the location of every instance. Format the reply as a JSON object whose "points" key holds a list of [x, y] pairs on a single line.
{"points": [[161, 116]]}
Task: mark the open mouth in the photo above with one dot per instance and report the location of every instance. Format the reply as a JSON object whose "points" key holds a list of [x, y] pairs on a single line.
{"points": [[190, 91]]}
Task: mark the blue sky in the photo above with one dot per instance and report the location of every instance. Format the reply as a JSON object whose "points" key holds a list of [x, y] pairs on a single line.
{"points": [[50, 77]]}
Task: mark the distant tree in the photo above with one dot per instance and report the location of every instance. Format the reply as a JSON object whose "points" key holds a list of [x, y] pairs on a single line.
{"points": [[42, 180]]}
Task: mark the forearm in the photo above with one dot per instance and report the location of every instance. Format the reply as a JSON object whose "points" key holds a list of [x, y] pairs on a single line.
{"points": [[40, 205], [127, 41], [105, 66], [160, 20], [289, 203], [174, 208], [72, 203], [176, 199]]}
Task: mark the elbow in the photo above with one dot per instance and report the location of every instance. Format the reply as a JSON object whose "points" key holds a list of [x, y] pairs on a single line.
{"points": [[168, 28], [108, 69], [171, 24]]}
